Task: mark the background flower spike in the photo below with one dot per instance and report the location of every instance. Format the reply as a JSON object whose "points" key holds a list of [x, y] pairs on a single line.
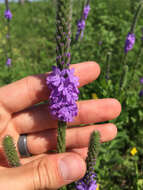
{"points": [[89, 181], [108, 60], [8, 17], [10, 151]]}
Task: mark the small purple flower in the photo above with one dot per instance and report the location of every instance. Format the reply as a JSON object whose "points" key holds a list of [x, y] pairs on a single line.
{"points": [[8, 14], [86, 11], [8, 62], [81, 22], [87, 183], [141, 80], [7, 36], [81, 25], [100, 43], [80, 30], [141, 93], [64, 94], [129, 43]]}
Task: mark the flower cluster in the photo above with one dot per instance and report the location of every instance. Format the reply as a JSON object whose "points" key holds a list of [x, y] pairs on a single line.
{"points": [[64, 93], [81, 22], [8, 14], [130, 40], [88, 182]]}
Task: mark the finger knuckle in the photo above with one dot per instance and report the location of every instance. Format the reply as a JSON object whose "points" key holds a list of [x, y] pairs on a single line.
{"points": [[4, 117], [29, 87], [46, 174]]}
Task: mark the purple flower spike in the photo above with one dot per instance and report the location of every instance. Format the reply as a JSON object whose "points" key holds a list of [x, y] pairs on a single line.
{"points": [[86, 11], [8, 62], [8, 14], [130, 40], [64, 94], [141, 80], [81, 22]]}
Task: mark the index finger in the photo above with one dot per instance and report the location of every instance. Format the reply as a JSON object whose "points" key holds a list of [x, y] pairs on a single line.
{"points": [[33, 89]]}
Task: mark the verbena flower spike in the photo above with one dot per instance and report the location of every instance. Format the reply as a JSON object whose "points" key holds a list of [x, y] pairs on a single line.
{"points": [[130, 39], [129, 43], [8, 62], [62, 82], [10, 151], [81, 22], [89, 182], [8, 16], [108, 59], [7, 13]]}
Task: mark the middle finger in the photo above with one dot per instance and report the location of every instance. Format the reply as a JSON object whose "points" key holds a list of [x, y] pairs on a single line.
{"points": [[90, 111]]}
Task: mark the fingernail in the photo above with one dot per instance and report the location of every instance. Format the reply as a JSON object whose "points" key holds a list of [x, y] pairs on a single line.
{"points": [[71, 167]]}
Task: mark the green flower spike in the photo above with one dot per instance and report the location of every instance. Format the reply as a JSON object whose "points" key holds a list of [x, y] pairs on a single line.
{"points": [[10, 151]]}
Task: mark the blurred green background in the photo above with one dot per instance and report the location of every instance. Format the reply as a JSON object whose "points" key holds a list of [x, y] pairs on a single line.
{"points": [[32, 51]]}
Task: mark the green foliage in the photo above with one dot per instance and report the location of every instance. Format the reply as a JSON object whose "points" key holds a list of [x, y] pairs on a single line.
{"points": [[34, 51]]}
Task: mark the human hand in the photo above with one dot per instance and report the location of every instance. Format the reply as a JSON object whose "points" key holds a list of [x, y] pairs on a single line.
{"points": [[19, 115]]}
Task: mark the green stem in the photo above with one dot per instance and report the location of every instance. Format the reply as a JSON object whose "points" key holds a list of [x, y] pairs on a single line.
{"points": [[137, 176], [124, 78], [123, 64], [61, 142], [135, 66], [6, 4], [136, 17]]}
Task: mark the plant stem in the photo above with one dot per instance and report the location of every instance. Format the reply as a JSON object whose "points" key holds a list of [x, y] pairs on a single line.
{"points": [[137, 13], [61, 144]]}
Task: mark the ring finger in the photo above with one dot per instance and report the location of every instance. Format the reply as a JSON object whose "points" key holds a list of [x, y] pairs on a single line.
{"points": [[42, 142]]}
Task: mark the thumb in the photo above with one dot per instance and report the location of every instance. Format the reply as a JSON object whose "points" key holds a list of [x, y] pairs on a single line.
{"points": [[49, 171]]}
